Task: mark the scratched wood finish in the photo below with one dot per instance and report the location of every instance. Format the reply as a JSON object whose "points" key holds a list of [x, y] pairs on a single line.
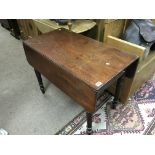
{"points": [[78, 65]]}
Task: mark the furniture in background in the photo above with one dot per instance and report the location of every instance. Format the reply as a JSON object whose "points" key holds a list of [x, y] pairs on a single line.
{"points": [[34, 27], [12, 26], [27, 28], [83, 68], [77, 26], [112, 33]]}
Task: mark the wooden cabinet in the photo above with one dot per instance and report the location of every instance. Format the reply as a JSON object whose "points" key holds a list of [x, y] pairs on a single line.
{"points": [[114, 27]]}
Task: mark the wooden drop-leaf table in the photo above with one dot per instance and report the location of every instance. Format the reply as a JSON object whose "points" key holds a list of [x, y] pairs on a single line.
{"points": [[81, 67]]}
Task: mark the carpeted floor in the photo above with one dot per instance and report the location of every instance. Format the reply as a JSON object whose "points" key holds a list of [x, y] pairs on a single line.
{"points": [[23, 108], [137, 117]]}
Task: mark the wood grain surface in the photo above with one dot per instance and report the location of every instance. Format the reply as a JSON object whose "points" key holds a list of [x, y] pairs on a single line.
{"points": [[78, 65], [85, 58]]}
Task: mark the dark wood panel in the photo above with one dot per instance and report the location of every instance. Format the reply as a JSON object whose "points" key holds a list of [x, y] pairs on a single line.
{"points": [[68, 83]]}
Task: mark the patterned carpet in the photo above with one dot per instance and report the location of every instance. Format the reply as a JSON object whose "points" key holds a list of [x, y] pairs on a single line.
{"points": [[137, 117]]}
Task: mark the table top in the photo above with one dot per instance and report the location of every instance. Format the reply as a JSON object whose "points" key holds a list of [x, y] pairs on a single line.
{"points": [[91, 61]]}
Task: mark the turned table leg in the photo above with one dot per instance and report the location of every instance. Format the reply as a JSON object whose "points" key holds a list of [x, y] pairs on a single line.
{"points": [[89, 123], [38, 75], [118, 90]]}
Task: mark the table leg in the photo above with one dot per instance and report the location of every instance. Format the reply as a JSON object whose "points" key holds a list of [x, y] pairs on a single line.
{"points": [[38, 75], [89, 123], [117, 91]]}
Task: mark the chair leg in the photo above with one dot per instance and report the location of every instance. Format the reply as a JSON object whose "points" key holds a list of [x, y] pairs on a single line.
{"points": [[38, 75], [89, 123], [117, 91]]}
